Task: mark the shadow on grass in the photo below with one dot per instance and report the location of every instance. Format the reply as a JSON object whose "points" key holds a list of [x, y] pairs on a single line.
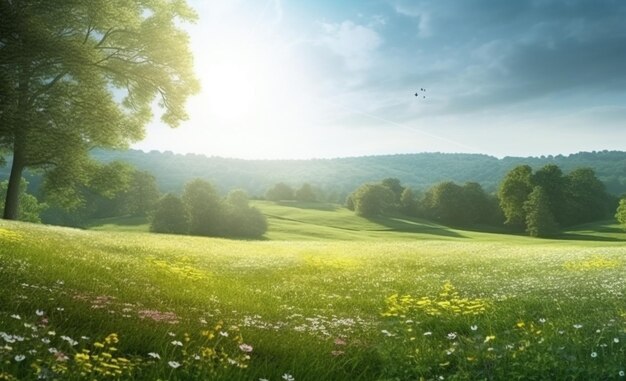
{"points": [[404, 225], [309, 205], [121, 221], [590, 237]]}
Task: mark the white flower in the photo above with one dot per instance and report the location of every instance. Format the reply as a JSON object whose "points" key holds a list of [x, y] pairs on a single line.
{"points": [[578, 326], [45, 340], [474, 327], [245, 347], [428, 333], [171, 334], [60, 309], [19, 358], [17, 317], [288, 377], [621, 373], [196, 357], [452, 336], [177, 343], [594, 354], [154, 355], [615, 340], [52, 350], [263, 379], [39, 313], [542, 320], [224, 334], [173, 364]]}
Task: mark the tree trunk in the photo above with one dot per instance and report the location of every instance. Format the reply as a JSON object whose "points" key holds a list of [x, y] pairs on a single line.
{"points": [[12, 202]]}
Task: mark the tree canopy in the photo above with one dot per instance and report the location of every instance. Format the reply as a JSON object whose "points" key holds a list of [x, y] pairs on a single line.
{"points": [[75, 75]]}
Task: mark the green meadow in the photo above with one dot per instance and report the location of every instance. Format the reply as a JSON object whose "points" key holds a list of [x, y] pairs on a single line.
{"points": [[326, 295]]}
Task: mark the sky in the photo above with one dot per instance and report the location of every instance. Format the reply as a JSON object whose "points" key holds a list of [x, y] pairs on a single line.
{"points": [[295, 79]]}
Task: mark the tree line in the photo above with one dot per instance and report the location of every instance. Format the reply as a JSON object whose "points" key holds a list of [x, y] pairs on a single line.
{"points": [[201, 211], [539, 203]]}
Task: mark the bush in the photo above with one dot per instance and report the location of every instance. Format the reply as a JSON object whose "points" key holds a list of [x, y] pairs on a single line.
{"points": [[170, 216]]}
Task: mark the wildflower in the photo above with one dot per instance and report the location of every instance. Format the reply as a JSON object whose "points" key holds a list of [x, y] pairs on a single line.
{"points": [[52, 333], [246, 348], [337, 353], [39, 312], [171, 334], [177, 343], [52, 350], [154, 355], [60, 356], [428, 333], [84, 338], [615, 340], [45, 340], [474, 327], [288, 377], [173, 364], [339, 341], [196, 357], [520, 324], [224, 334], [489, 338], [19, 358], [263, 379], [542, 320], [452, 336], [594, 354], [386, 333], [578, 326], [621, 373], [16, 317]]}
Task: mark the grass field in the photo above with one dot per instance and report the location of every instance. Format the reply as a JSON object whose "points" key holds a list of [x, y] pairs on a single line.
{"points": [[328, 296]]}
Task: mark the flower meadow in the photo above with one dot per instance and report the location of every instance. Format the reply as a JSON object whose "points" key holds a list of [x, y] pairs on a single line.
{"points": [[80, 305]]}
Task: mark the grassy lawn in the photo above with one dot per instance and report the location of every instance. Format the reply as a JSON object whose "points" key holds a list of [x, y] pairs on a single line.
{"points": [[328, 296]]}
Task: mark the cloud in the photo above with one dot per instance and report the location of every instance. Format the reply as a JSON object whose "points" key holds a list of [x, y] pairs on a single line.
{"points": [[355, 44]]}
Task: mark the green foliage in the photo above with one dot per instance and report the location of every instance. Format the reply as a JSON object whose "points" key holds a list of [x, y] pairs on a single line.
{"points": [[305, 193], [280, 192], [408, 203], [453, 204], [372, 200], [350, 203], [513, 193], [64, 66], [170, 216], [585, 197], [204, 207], [620, 214], [394, 186], [540, 221], [241, 219], [30, 208]]}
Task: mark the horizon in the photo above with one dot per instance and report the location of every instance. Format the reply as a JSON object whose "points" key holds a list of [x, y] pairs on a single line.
{"points": [[298, 81]]}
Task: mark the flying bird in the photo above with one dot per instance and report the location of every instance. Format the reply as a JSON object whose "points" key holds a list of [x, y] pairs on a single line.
{"points": [[417, 94]]}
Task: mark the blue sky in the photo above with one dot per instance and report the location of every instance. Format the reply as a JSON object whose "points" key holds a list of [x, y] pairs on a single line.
{"points": [[296, 79]]}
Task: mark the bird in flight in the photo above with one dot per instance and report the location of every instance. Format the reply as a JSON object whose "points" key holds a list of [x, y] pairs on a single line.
{"points": [[417, 94]]}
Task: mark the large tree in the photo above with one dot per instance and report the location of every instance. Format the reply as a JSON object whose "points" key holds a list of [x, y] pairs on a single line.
{"points": [[513, 193], [539, 219], [77, 74]]}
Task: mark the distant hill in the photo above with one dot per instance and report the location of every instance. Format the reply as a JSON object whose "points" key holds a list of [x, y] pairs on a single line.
{"points": [[342, 175], [338, 177]]}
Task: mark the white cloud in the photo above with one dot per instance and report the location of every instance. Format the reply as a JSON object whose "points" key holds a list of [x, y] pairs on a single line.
{"points": [[421, 16], [356, 44]]}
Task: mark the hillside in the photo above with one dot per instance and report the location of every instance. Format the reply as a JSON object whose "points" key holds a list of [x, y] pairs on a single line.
{"points": [[342, 175], [338, 177]]}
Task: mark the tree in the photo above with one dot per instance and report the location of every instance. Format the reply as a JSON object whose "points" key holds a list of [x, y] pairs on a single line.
{"points": [[305, 193], [394, 185], [30, 208], [550, 178], [586, 198], [170, 216], [620, 214], [444, 202], [204, 207], [280, 192], [76, 75], [513, 193], [372, 200], [539, 219], [408, 202], [242, 220]]}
